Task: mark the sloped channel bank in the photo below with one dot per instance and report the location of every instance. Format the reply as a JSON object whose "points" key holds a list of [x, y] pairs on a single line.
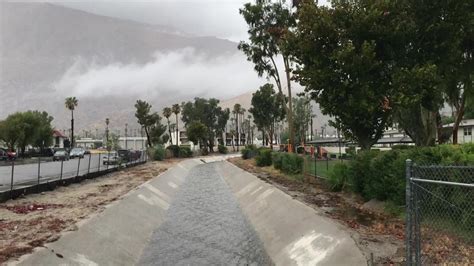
{"points": [[290, 232]]}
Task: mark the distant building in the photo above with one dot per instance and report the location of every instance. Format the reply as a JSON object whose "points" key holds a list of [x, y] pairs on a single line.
{"points": [[466, 127], [58, 138], [132, 143], [89, 143]]}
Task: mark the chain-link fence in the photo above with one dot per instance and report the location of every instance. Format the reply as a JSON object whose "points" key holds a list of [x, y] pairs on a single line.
{"points": [[320, 166], [22, 177], [440, 215]]}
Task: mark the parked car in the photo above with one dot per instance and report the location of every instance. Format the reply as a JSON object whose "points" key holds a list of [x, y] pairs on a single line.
{"points": [[7, 155], [77, 153], [3, 155], [111, 158], [124, 155], [61, 155]]}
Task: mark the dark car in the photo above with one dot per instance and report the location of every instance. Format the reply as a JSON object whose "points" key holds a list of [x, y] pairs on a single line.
{"points": [[124, 155], [61, 155], [3, 155], [7, 155]]}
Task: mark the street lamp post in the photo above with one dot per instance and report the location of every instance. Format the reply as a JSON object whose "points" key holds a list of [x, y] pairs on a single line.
{"points": [[107, 121]]}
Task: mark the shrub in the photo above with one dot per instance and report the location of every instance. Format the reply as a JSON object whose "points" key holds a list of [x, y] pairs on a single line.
{"points": [[249, 152], [185, 152], [222, 149], [338, 177], [300, 150], [159, 153], [174, 150], [277, 159], [264, 157], [291, 163]]}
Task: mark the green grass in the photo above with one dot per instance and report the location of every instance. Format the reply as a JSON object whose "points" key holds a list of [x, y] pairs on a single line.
{"points": [[321, 167]]}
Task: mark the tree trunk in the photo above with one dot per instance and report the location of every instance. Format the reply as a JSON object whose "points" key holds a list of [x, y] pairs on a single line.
{"points": [[72, 129], [147, 137], [169, 131], [272, 128], [177, 130], [290, 104], [458, 118]]}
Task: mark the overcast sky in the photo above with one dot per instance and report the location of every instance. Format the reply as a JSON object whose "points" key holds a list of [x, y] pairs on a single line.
{"points": [[218, 18]]}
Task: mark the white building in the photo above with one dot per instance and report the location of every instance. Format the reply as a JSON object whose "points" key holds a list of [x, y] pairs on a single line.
{"points": [[58, 139], [466, 127], [132, 143], [89, 143]]}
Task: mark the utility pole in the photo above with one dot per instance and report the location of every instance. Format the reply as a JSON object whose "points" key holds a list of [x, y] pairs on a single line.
{"points": [[126, 131], [107, 121]]}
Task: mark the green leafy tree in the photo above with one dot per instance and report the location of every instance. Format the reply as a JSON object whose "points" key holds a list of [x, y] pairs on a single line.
{"points": [[176, 108], [344, 66], [302, 115], [11, 130], [198, 133], [113, 142], [167, 113], [27, 128], [207, 112], [269, 26], [71, 104], [44, 131], [150, 122], [267, 109]]}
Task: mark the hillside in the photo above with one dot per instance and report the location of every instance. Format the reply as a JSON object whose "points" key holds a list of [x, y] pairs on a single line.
{"points": [[41, 43]]}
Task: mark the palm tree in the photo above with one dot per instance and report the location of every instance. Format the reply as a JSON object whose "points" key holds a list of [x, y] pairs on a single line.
{"points": [[71, 104], [167, 113], [237, 111], [176, 108]]}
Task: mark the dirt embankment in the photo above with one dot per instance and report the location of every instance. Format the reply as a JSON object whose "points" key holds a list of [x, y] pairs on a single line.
{"points": [[34, 220]]}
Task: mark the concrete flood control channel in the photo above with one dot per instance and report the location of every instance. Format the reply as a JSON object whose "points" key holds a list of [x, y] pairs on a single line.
{"points": [[203, 212]]}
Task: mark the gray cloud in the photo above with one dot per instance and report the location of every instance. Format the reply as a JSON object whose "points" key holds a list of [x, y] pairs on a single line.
{"points": [[182, 71]]}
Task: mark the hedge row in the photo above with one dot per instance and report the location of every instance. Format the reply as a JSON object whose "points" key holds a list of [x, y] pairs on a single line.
{"points": [[381, 175], [289, 163], [179, 151]]}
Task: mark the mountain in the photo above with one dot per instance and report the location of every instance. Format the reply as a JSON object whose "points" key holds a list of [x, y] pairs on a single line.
{"points": [[50, 52], [40, 42]]}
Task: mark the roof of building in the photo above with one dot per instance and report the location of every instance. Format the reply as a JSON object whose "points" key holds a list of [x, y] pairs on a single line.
{"points": [[464, 123], [57, 133]]}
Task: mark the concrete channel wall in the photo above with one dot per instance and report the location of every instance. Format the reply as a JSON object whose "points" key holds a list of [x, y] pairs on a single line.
{"points": [[117, 235], [292, 233]]}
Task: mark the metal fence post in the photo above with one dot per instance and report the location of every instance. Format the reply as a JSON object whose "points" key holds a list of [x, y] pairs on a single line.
{"points": [[417, 221], [327, 162], [315, 164], [39, 170], [11, 184], [408, 222], [108, 160], [61, 175], [89, 165], [78, 166], [98, 168]]}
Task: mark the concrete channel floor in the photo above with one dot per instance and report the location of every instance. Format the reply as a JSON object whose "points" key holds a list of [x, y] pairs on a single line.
{"points": [[204, 212], [204, 226]]}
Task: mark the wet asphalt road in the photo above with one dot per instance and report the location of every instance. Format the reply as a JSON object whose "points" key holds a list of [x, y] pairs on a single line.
{"points": [[205, 226]]}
